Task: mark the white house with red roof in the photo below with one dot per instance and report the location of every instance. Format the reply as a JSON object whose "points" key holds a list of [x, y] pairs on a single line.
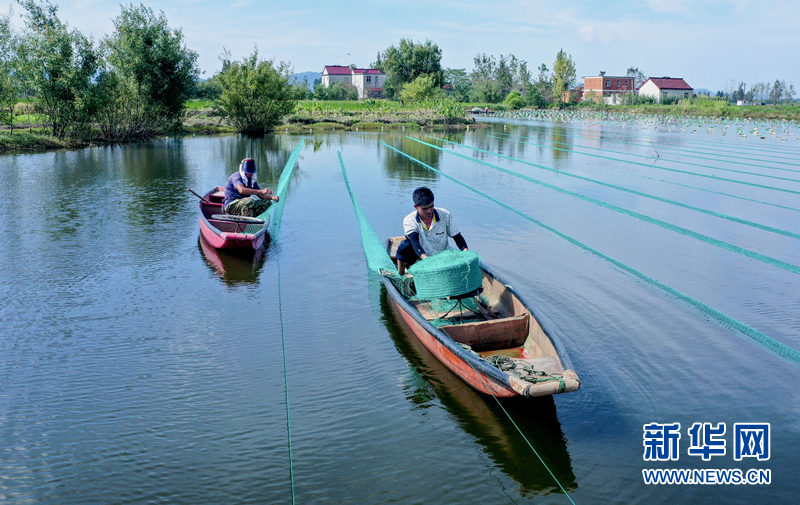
{"points": [[368, 81], [659, 87]]}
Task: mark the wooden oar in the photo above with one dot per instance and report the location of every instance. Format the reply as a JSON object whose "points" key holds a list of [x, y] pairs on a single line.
{"points": [[190, 190]]}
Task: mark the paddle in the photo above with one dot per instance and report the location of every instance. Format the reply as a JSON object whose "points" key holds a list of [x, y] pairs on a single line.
{"points": [[190, 190]]}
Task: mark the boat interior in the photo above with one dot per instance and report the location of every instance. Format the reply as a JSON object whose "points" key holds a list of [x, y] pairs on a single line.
{"points": [[501, 325], [215, 207]]}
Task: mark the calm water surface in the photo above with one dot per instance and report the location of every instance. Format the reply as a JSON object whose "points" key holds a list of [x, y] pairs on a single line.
{"points": [[138, 366]]}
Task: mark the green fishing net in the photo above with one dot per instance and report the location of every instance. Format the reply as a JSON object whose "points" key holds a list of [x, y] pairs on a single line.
{"points": [[448, 273]]}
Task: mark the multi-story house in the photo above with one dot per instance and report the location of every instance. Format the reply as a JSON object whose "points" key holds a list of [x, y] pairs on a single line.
{"points": [[608, 88], [368, 81]]}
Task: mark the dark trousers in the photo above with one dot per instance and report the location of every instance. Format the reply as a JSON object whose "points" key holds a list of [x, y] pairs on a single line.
{"points": [[406, 253]]}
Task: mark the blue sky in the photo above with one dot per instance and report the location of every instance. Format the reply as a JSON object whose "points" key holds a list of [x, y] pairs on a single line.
{"points": [[707, 42]]}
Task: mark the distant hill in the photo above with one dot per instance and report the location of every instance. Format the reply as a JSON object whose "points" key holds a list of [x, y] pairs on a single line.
{"points": [[310, 76], [704, 91]]}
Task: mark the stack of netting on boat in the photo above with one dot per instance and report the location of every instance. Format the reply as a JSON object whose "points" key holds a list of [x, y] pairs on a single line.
{"points": [[444, 279]]}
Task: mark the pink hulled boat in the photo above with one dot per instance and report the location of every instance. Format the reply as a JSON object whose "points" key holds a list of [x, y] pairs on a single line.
{"points": [[225, 231]]}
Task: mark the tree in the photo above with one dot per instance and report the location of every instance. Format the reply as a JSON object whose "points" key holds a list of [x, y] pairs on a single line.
{"points": [[776, 92], [788, 93], [60, 66], [494, 78], [420, 89], [541, 90], [342, 91], [407, 61], [740, 93], [457, 77], [337, 91], [256, 94], [637, 75], [486, 91], [209, 89], [515, 100], [10, 84], [155, 70], [563, 75]]}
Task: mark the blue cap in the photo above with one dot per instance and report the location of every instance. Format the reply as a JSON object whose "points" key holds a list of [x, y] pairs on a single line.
{"points": [[248, 166]]}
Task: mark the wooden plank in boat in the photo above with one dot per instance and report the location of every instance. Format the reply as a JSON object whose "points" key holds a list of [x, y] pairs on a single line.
{"points": [[237, 219], [491, 335]]}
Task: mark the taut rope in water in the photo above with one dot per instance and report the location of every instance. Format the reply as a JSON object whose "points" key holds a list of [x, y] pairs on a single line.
{"points": [[683, 231], [277, 211], [773, 345]]}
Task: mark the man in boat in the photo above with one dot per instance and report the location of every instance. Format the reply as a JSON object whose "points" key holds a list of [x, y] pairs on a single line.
{"points": [[426, 230], [241, 186]]}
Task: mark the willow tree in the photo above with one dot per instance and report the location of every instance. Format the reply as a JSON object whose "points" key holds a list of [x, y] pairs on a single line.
{"points": [[9, 76], [563, 75], [60, 65], [420, 89], [256, 94], [150, 73]]}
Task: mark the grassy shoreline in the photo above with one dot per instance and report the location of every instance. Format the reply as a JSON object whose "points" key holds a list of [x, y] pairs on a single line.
{"points": [[381, 115]]}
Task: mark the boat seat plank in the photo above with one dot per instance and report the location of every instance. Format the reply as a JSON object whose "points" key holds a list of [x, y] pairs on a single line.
{"points": [[228, 226], [428, 313], [491, 335]]}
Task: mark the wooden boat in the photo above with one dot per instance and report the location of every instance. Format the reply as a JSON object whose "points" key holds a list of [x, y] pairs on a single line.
{"points": [[504, 331], [225, 231], [483, 420]]}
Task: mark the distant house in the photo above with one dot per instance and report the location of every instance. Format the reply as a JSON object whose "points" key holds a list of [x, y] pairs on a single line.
{"points": [[659, 87], [573, 95], [608, 88], [332, 74], [368, 81]]}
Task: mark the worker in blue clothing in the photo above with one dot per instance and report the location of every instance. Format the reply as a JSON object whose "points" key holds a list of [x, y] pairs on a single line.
{"points": [[239, 189]]}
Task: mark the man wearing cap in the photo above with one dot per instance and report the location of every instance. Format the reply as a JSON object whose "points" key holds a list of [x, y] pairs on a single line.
{"points": [[241, 186]]}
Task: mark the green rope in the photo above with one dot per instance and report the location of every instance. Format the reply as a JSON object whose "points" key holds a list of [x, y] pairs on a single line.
{"points": [[683, 142], [619, 188], [727, 321], [378, 259], [725, 194], [687, 151], [369, 239], [650, 157], [286, 384], [276, 209], [773, 188], [683, 231], [527, 372]]}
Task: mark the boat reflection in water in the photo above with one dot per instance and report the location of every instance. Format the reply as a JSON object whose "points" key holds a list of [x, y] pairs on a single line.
{"points": [[233, 269], [482, 417]]}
